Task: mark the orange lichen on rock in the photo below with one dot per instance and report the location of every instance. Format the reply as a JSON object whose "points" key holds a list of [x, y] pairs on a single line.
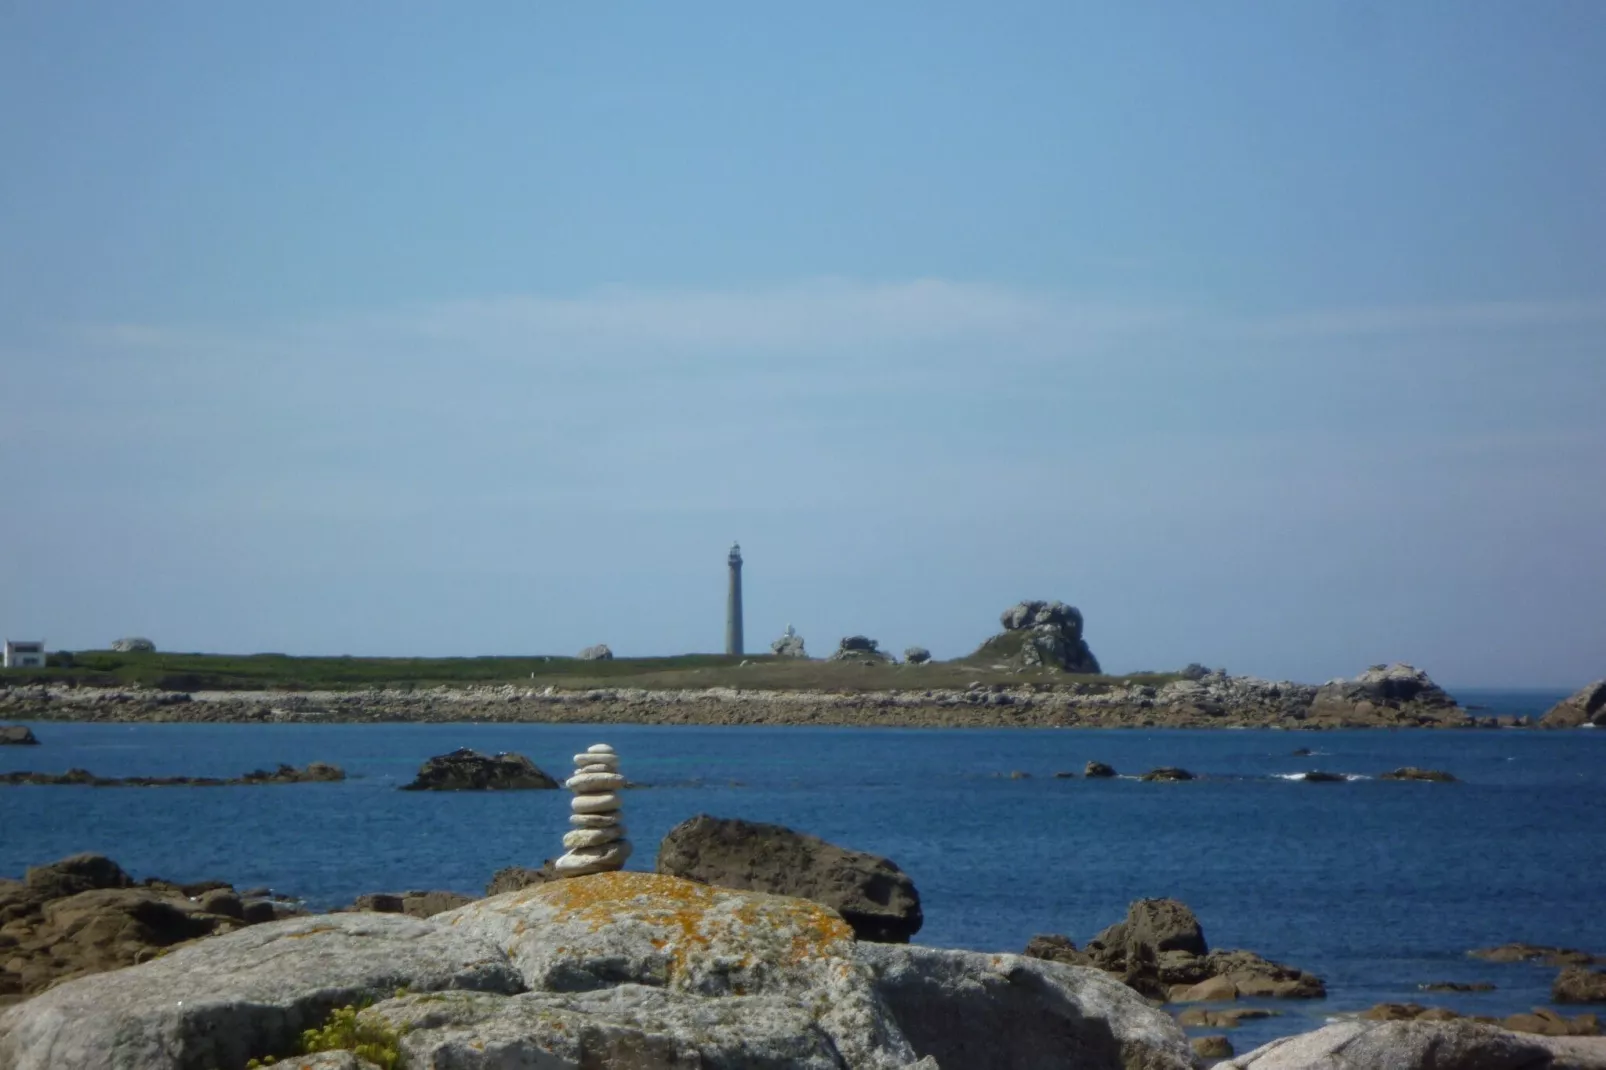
{"points": [[695, 917]]}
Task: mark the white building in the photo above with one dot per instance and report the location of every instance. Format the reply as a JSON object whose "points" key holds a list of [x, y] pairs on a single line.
{"points": [[24, 654]]}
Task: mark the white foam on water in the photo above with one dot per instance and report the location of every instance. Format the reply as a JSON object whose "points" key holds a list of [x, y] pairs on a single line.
{"points": [[1302, 776]]}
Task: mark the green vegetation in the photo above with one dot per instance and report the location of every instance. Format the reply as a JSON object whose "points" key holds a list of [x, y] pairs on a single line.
{"points": [[347, 1029], [281, 672]]}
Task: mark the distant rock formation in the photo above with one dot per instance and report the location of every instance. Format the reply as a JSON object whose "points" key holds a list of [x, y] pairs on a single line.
{"points": [[871, 893], [789, 645], [1041, 634], [17, 735], [1399, 688], [134, 645], [1588, 706], [916, 655], [469, 770], [600, 652], [314, 773], [858, 648]]}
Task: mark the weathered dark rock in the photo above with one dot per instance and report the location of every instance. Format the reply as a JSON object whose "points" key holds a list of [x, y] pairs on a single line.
{"points": [[17, 735], [1098, 769], [916, 655], [1169, 772], [1457, 986], [1317, 776], [1053, 947], [1578, 985], [469, 770], [78, 873], [1588, 706], [871, 893], [1212, 1047], [858, 648], [414, 904], [1411, 772]]}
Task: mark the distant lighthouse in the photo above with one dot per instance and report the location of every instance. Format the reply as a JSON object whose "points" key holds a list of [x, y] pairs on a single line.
{"points": [[733, 603]]}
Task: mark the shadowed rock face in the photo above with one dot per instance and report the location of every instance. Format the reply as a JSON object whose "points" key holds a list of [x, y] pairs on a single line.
{"points": [[1397, 688], [469, 770], [1588, 706], [871, 893]]}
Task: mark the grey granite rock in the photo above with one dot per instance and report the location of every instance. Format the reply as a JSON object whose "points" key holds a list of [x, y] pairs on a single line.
{"points": [[1009, 1012], [916, 655], [1587, 706], [1420, 1045], [600, 652], [134, 644], [220, 1001]]}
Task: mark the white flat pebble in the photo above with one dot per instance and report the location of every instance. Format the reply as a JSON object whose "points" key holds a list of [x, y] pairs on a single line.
{"points": [[585, 860], [592, 837], [607, 761], [595, 821], [599, 748], [594, 783], [594, 804]]}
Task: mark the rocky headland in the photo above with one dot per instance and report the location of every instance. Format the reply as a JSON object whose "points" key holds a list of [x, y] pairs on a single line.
{"points": [[1385, 697]]}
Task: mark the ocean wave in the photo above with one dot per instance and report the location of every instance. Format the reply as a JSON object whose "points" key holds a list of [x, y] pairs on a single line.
{"points": [[1302, 776]]}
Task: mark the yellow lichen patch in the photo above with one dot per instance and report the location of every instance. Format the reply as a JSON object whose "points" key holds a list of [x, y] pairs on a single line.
{"points": [[314, 931], [693, 916]]}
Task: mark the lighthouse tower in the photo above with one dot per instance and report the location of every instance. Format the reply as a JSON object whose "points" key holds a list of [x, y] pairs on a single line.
{"points": [[733, 603]]}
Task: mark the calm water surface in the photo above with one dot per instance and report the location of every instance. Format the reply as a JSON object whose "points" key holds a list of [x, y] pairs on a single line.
{"points": [[1375, 886]]}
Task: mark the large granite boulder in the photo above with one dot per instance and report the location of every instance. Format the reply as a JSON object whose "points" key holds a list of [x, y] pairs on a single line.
{"points": [[1588, 706], [872, 894], [613, 971], [1040, 635], [916, 655], [857, 648], [1386, 694], [19, 735], [469, 770], [1010, 1012], [219, 1002], [134, 644], [600, 652], [789, 645], [1422, 1045]]}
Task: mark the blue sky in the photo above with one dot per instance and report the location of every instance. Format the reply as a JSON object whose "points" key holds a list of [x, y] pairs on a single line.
{"points": [[1271, 335]]}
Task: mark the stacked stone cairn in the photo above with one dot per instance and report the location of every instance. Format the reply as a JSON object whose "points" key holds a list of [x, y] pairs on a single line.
{"points": [[597, 842]]}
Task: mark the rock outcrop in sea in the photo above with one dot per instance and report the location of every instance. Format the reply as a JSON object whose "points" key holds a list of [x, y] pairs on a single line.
{"points": [[1159, 949], [1587, 706], [17, 735], [313, 773], [872, 894], [597, 843], [1046, 634], [610, 971], [466, 769]]}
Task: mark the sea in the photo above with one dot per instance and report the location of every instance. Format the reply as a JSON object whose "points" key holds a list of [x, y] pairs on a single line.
{"points": [[1377, 887]]}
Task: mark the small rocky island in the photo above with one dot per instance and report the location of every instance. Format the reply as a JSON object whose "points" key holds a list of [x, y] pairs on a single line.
{"points": [[466, 769]]}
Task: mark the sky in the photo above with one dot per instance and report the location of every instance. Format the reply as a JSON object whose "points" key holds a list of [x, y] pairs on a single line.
{"points": [[1273, 336]]}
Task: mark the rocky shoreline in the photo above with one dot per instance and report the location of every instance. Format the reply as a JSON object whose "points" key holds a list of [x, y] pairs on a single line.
{"points": [[1383, 697]]}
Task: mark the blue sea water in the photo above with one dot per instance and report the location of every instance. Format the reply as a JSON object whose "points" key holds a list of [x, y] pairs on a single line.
{"points": [[1375, 886]]}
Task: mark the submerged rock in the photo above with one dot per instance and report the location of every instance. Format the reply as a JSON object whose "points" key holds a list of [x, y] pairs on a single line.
{"points": [[469, 770], [17, 735], [1168, 773], [1096, 770], [1578, 985], [1411, 772], [871, 893], [1520, 952]]}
